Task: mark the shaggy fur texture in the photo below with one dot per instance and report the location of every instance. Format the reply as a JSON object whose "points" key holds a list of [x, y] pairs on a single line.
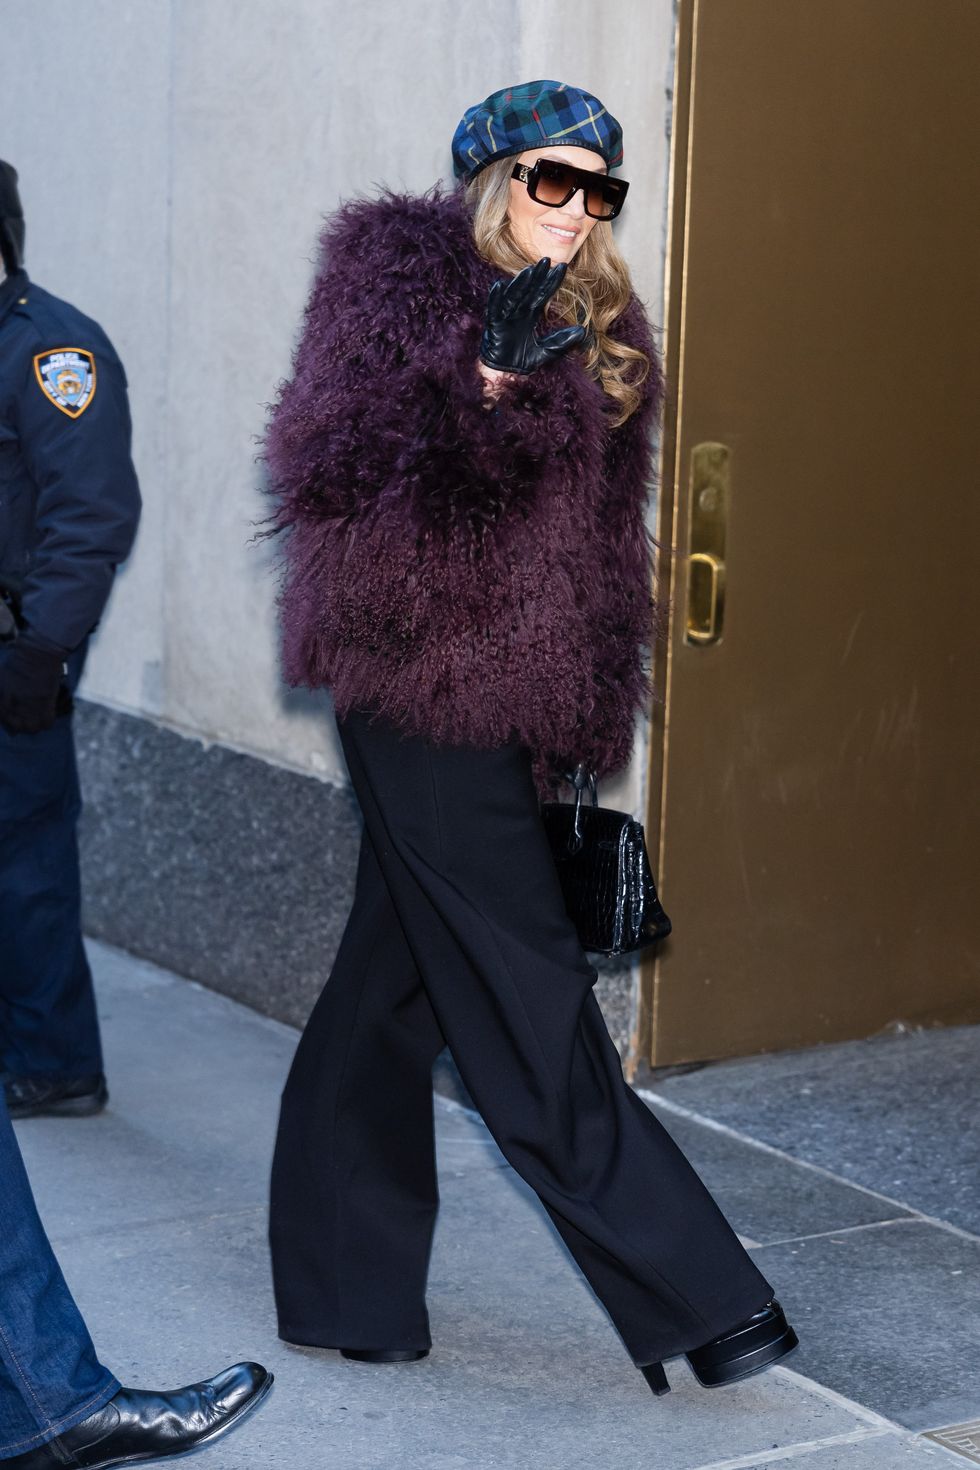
{"points": [[475, 576]]}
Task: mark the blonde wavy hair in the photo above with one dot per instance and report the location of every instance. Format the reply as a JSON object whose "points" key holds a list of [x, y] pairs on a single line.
{"points": [[595, 290]]}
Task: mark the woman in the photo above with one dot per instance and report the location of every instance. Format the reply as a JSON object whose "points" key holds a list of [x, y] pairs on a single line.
{"points": [[468, 570]]}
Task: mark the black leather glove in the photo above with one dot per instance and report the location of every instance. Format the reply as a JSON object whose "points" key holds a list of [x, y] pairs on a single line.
{"points": [[514, 310], [31, 694]]}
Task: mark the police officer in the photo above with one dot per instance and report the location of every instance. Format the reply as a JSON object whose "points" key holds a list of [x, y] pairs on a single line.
{"points": [[69, 507]]}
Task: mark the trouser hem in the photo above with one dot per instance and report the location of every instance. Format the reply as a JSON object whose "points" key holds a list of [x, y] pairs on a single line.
{"points": [[316, 1338]]}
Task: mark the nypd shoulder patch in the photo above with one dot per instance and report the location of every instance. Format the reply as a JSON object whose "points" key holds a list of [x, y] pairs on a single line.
{"points": [[67, 377]]}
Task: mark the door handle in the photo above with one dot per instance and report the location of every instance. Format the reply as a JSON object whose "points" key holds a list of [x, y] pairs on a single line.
{"points": [[705, 597], [708, 520]]}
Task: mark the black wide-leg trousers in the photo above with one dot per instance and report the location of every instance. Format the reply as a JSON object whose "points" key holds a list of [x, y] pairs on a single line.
{"points": [[458, 934]]}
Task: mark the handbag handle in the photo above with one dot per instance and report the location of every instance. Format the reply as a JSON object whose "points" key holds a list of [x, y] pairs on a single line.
{"points": [[580, 778]]}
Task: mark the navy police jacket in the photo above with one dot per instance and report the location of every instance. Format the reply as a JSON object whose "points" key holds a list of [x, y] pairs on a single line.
{"points": [[69, 497]]}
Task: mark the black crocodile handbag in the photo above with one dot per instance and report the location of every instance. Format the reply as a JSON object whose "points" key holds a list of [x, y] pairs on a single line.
{"points": [[604, 870]]}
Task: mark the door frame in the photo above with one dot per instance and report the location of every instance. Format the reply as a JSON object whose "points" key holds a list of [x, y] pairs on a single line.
{"points": [[668, 585]]}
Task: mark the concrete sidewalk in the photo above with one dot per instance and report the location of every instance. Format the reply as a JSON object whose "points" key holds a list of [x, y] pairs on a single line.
{"points": [[852, 1171]]}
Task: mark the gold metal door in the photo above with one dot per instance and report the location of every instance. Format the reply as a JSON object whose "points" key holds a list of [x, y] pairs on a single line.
{"points": [[813, 776]]}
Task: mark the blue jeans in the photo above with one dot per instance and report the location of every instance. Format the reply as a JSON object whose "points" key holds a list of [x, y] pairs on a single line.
{"points": [[50, 1377], [48, 1021]]}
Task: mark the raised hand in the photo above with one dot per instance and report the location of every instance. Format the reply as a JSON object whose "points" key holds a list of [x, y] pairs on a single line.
{"points": [[514, 308]]}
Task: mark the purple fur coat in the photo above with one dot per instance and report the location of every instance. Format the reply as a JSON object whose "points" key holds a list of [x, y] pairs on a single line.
{"points": [[475, 576]]}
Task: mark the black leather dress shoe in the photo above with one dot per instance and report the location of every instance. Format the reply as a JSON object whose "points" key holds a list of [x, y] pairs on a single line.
{"points": [[754, 1344], [139, 1424], [61, 1097]]}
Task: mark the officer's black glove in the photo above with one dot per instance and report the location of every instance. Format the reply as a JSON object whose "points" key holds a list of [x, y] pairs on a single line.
{"points": [[31, 695], [514, 310]]}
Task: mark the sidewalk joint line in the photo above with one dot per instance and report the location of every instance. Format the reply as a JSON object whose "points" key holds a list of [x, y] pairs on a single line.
{"points": [[831, 1396], [795, 1451], [649, 1095], [844, 1230]]}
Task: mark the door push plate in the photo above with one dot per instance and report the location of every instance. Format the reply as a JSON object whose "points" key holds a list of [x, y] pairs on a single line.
{"points": [[708, 521]]}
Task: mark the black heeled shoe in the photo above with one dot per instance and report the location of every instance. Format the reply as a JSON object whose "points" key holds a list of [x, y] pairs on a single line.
{"points": [[657, 1378], [384, 1355], [754, 1344]]}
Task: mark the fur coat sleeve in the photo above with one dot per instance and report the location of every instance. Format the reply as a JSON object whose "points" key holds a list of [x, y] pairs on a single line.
{"points": [[476, 575]]}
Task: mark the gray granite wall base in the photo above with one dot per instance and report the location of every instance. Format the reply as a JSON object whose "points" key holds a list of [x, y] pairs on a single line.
{"points": [[226, 869], [211, 863]]}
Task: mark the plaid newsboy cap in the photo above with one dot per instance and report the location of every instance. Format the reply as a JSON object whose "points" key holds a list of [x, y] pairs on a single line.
{"points": [[533, 116]]}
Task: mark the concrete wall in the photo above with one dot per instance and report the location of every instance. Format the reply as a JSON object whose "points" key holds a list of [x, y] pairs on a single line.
{"points": [[176, 159]]}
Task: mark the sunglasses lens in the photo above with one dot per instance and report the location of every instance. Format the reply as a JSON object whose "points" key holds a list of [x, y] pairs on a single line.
{"points": [[605, 199], [600, 201], [554, 184]]}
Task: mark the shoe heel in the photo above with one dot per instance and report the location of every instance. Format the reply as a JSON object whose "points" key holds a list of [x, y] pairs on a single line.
{"points": [[755, 1344], [657, 1378]]}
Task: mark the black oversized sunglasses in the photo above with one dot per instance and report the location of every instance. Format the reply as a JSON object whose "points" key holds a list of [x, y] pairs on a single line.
{"points": [[549, 181]]}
